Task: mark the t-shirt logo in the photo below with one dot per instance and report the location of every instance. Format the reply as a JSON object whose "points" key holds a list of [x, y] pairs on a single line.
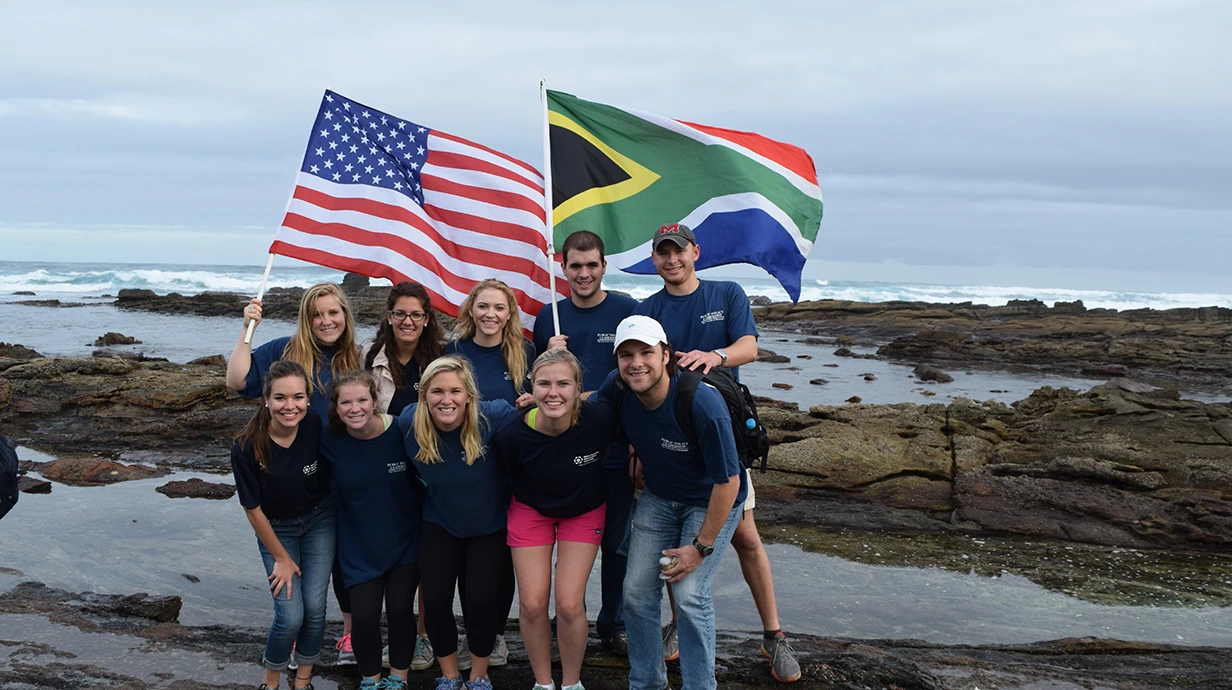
{"points": [[310, 470], [713, 316], [583, 460], [674, 446], [482, 450], [605, 338], [395, 467]]}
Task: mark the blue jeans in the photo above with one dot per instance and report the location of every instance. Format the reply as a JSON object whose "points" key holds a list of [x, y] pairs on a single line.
{"points": [[310, 540], [660, 524], [615, 561]]}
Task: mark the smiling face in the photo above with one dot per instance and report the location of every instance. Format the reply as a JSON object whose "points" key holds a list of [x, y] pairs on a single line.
{"points": [[490, 313], [287, 402], [446, 398], [585, 269], [354, 406], [328, 319], [408, 329], [556, 390], [642, 366], [675, 263]]}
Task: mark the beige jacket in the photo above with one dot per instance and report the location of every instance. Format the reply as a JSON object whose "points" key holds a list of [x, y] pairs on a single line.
{"points": [[384, 379]]}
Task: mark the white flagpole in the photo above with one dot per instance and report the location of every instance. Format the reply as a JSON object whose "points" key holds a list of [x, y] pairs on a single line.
{"points": [[252, 325], [547, 201]]}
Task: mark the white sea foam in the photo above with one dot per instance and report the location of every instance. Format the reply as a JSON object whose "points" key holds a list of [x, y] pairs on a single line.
{"points": [[79, 280]]}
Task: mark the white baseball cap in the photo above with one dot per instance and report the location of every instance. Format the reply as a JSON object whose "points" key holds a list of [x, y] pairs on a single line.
{"points": [[640, 328]]}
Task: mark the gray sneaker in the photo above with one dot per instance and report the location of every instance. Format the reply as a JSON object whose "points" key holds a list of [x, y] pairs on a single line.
{"points": [[464, 655], [500, 652], [671, 642], [424, 657], [783, 664]]}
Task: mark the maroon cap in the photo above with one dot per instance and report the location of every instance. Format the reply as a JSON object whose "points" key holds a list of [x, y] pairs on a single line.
{"points": [[675, 232]]}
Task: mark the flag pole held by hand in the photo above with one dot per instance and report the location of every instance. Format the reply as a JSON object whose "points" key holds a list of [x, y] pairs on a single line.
{"points": [[252, 325], [547, 203]]}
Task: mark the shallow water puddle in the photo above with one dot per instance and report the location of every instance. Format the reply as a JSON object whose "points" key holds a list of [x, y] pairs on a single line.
{"points": [[127, 538]]}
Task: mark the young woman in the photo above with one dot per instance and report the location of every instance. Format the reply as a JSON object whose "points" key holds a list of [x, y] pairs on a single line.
{"points": [[324, 345], [489, 335], [408, 340], [379, 510], [448, 433], [554, 458], [286, 497]]}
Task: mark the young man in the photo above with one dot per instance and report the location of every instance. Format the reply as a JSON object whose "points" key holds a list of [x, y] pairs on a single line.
{"points": [[688, 509], [711, 325], [588, 322]]}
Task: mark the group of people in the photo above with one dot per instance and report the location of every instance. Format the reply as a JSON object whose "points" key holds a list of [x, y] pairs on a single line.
{"points": [[423, 464]]}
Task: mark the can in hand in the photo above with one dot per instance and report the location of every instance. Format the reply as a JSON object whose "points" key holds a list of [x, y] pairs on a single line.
{"points": [[666, 563]]}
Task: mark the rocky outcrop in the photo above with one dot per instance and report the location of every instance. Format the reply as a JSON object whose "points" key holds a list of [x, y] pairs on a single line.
{"points": [[197, 488], [113, 338], [1110, 466], [1068, 337], [88, 471]]}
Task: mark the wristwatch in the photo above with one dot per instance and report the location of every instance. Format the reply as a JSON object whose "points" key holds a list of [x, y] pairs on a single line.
{"points": [[703, 549], [722, 354]]}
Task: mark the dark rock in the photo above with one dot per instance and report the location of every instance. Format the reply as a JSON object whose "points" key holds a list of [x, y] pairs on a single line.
{"points": [[804, 356], [819, 382], [86, 471], [210, 361], [354, 282], [16, 351], [29, 485], [846, 340], [869, 377], [855, 399], [1075, 307], [771, 357], [927, 373], [832, 365], [843, 352], [25, 293], [125, 354], [191, 578], [197, 488], [817, 341], [782, 386], [112, 338], [1106, 370], [35, 597], [760, 301]]}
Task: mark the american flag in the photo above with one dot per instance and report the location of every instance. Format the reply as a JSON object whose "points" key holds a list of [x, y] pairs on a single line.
{"points": [[387, 198]]}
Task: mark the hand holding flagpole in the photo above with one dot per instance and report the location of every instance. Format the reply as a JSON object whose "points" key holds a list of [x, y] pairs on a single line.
{"points": [[547, 203], [252, 324]]}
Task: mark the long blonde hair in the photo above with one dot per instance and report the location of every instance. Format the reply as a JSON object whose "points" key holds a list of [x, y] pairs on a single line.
{"points": [[562, 356], [425, 431], [512, 349], [305, 349]]}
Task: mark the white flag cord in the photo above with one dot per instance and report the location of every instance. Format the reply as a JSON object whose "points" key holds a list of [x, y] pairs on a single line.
{"points": [[547, 203], [252, 325]]}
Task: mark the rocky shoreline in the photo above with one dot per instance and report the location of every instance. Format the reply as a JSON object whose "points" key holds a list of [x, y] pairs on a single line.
{"points": [[151, 625]]}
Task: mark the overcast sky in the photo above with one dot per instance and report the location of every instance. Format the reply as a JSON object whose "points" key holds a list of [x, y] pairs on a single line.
{"points": [[1069, 143]]}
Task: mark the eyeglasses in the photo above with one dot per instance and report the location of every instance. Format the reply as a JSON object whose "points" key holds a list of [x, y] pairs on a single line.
{"points": [[415, 316]]}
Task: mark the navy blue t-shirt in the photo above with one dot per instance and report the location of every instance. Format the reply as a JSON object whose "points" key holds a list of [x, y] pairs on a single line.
{"points": [[674, 470], [591, 331], [409, 392], [267, 354], [295, 483], [465, 500], [379, 503], [559, 476], [491, 372], [713, 316]]}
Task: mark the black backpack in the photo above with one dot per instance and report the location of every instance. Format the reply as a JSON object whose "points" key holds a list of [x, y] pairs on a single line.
{"points": [[752, 439]]}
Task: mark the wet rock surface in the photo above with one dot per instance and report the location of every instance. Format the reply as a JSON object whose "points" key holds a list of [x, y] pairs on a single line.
{"points": [[826, 662], [1184, 342], [197, 488]]}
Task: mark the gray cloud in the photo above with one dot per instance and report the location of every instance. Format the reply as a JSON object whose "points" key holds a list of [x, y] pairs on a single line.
{"points": [[1042, 135]]}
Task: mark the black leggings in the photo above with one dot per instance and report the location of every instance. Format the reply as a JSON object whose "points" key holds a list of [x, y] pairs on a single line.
{"points": [[397, 589], [340, 590], [504, 594], [477, 564]]}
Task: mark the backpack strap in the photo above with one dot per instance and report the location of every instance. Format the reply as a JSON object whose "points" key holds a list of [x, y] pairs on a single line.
{"points": [[686, 389]]}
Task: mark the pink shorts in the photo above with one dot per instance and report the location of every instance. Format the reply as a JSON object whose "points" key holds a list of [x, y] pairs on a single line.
{"points": [[528, 528]]}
